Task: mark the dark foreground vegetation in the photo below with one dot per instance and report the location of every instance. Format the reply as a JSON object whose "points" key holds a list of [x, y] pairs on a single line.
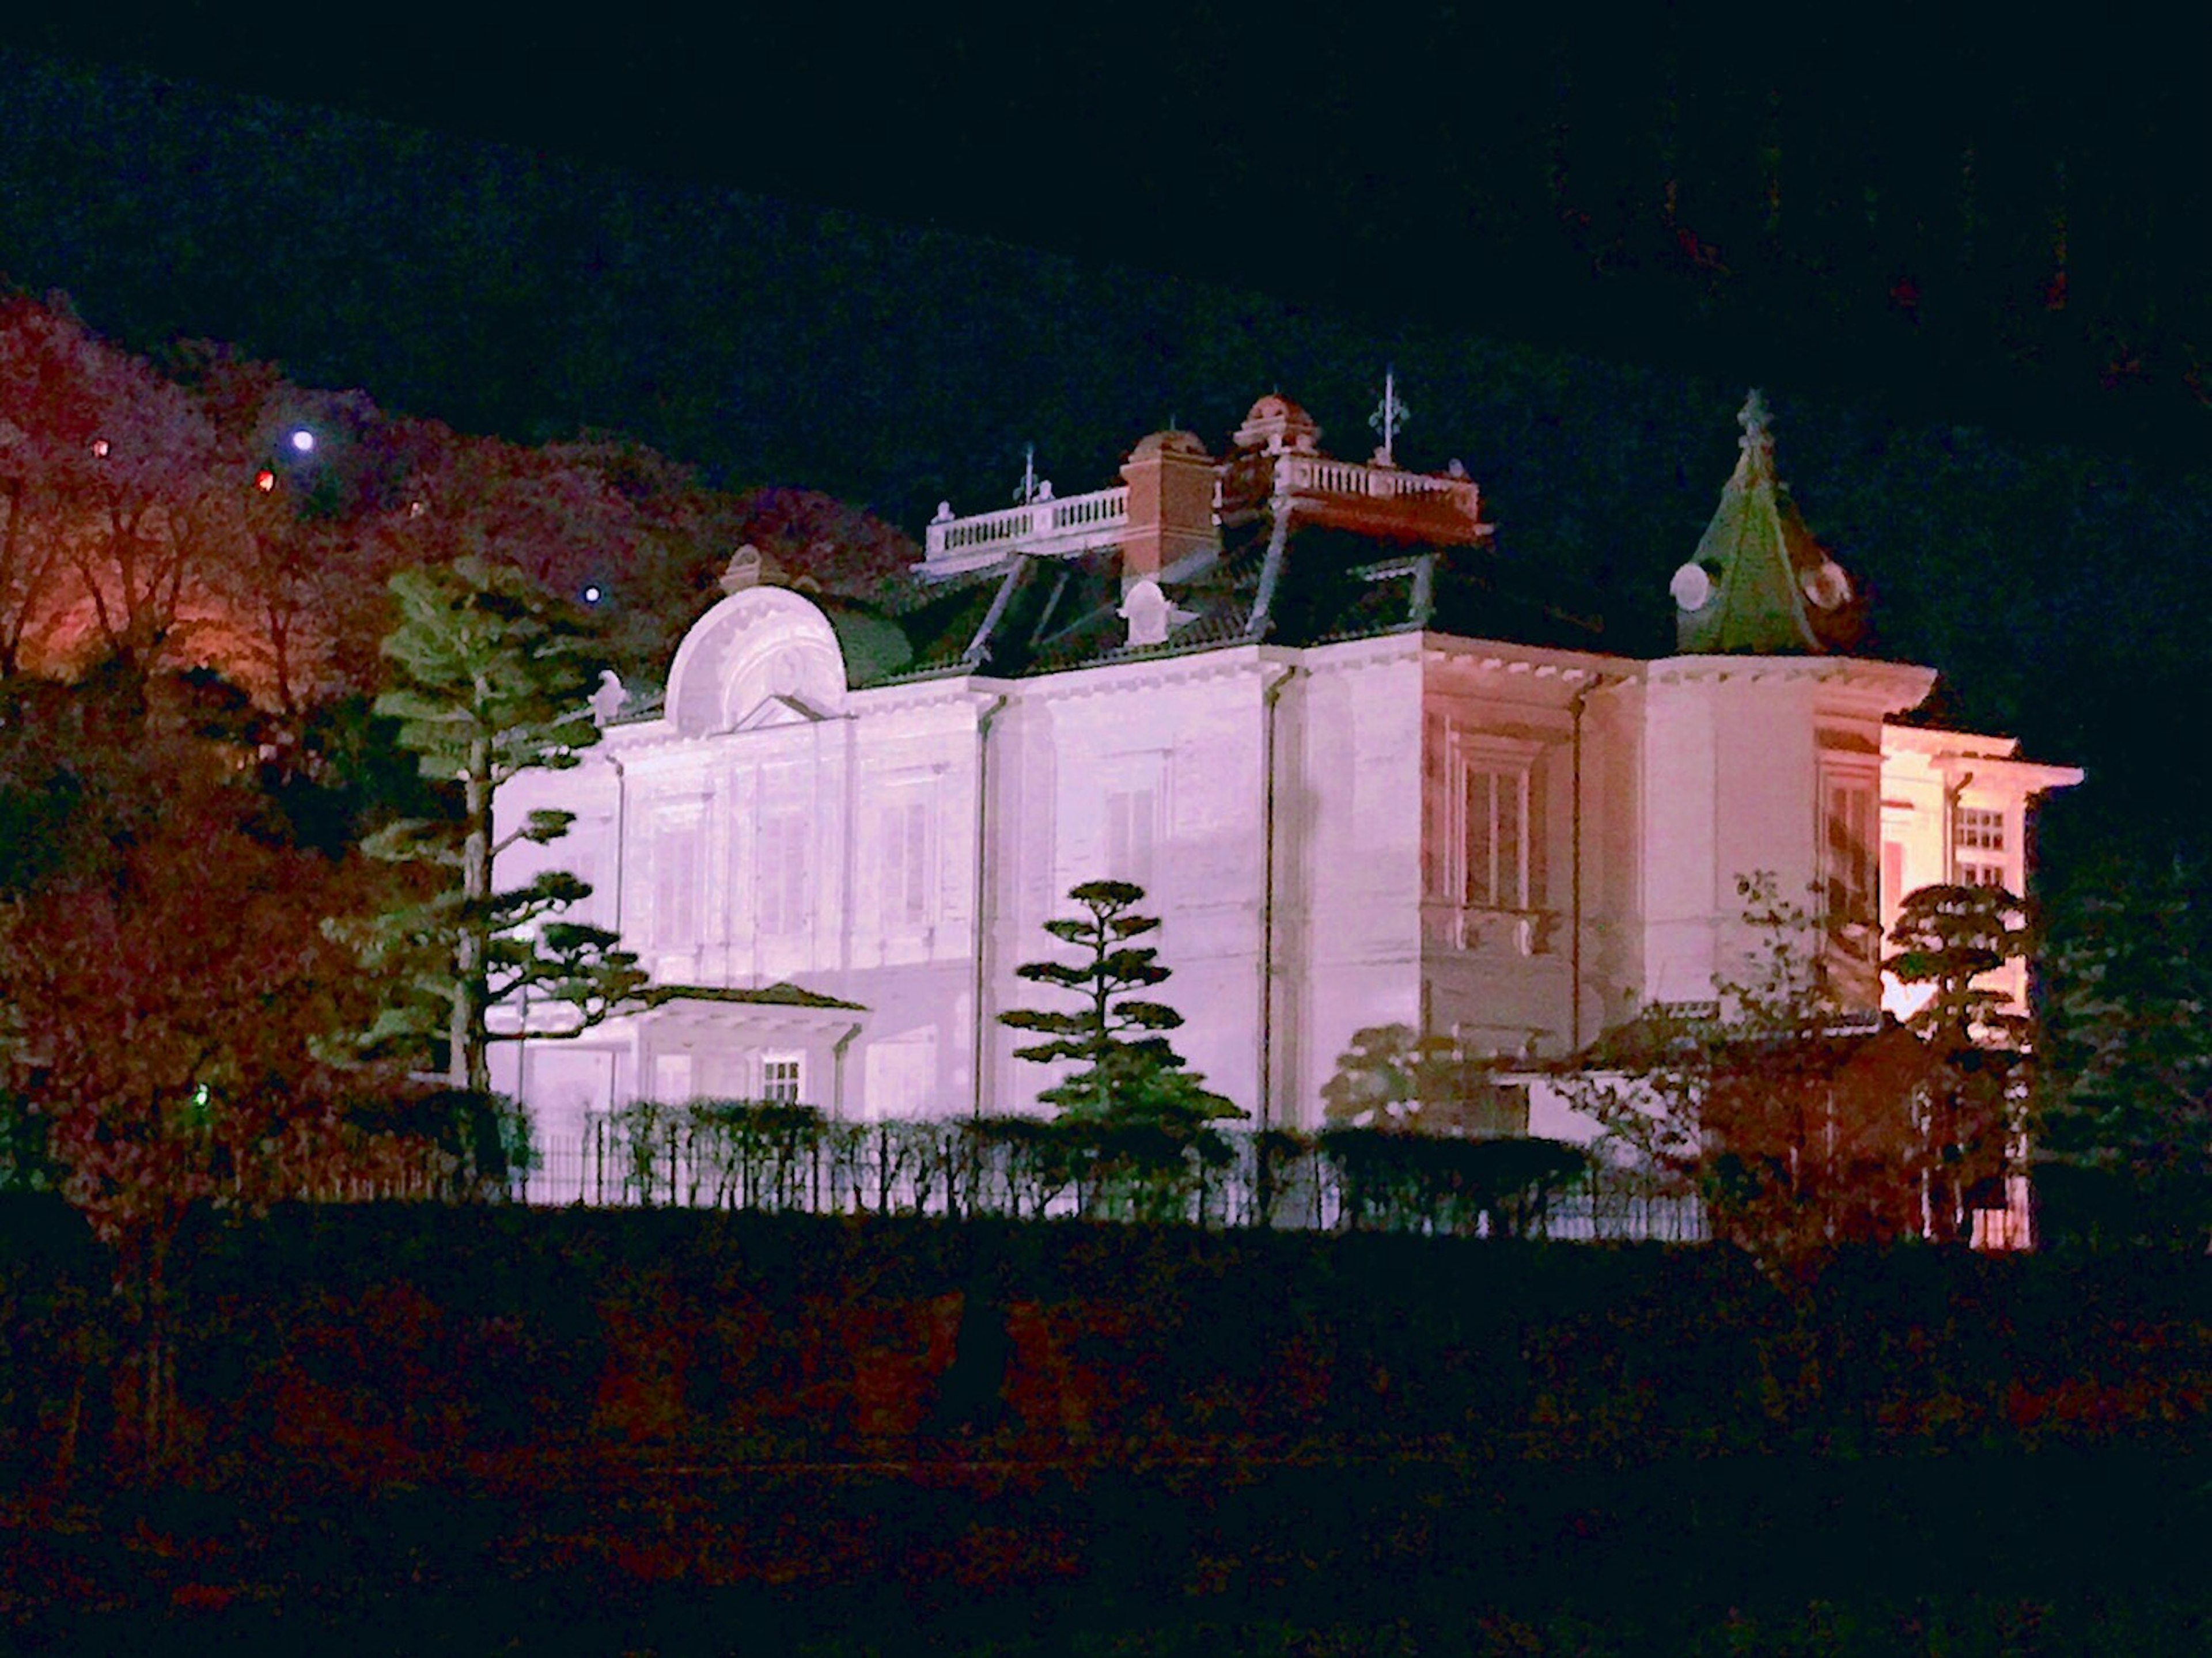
{"points": [[445, 1428]]}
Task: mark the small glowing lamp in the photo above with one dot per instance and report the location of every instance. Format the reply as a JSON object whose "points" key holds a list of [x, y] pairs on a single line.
{"points": [[303, 441], [1692, 587], [264, 480], [99, 448], [592, 594]]}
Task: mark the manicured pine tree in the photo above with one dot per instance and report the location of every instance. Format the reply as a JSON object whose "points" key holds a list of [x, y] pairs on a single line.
{"points": [[1948, 937], [1130, 1073], [490, 678]]}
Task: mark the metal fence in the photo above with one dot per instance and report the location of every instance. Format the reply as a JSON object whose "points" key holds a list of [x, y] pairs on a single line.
{"points": [[769, 1156]]}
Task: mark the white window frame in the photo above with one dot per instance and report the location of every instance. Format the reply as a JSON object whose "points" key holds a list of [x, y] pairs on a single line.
{"points": [[783, 1078], [679, 884], [782, 886], [1979, 829], [1133, 818], [1851, 891], [1506, 883], [906, 859]]}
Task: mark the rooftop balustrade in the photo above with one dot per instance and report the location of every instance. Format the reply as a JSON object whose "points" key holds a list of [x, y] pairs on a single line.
{"points": [[1063, 527]]}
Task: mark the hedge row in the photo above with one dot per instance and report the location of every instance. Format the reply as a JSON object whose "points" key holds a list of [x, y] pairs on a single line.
{"points": [[392, 1340]]}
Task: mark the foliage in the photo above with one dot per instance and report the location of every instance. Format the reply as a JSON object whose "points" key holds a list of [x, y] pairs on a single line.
{"points": [[2125, 1081], [1400, 1182], [490, 679], [1794, 1136], [1129, 1073], [26, 1162], [1391, 1077], [1973, 1113], [162, 1008], [1950, 937]]}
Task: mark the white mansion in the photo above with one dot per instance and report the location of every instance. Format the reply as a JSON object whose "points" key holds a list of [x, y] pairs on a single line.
{"points": [[1294, 698]]}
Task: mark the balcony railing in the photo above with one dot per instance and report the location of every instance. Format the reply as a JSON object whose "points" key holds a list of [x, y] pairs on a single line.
{"points": [[1487, 932], [1080, 523], [1057, 528], [1319, 476]]}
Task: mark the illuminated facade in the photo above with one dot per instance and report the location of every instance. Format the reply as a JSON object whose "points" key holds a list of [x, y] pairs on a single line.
{"points": [[1363, 779]]}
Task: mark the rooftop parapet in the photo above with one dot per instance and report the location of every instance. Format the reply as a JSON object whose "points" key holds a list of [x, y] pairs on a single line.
{"points": [[1275, 463]]}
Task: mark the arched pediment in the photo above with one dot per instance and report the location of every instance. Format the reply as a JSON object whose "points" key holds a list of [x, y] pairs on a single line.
{"points": [[762, 656]]}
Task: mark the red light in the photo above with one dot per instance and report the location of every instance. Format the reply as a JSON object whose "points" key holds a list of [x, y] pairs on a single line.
{"points": [[264, 480], [99, 448]]}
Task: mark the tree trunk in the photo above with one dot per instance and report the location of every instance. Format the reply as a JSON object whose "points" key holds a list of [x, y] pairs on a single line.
{"points": [[470, 1066]]}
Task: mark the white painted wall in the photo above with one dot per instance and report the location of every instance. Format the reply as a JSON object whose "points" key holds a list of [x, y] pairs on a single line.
{"points": [[774, 827]]}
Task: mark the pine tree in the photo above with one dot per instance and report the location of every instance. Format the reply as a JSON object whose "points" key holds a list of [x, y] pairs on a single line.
{"points": [[2126, 1071], [1949, 938], [490, 676], [1130, 1073]]}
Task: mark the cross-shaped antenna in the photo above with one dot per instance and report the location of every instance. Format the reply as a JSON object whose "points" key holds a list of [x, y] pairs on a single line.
{"points": [[1390, 417]]}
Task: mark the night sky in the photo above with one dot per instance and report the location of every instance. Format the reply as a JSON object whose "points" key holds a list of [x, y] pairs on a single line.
{"points": [[1968, 265]]}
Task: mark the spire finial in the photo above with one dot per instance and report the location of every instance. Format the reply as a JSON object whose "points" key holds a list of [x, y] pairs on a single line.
{"points": [[1758, 435], [1389, 418], [1031, 488]]}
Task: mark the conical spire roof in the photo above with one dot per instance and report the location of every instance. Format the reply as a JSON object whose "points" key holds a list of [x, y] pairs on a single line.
{"points": [[1759, 583]]}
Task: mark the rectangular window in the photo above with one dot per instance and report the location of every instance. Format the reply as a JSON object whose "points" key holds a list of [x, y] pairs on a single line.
{"points": [[1493, 838], [1129, 835], [1981, 829], [1849, 852], [780, 1077], [1981, 875], [780, 873], [676, 887], [902, 842]]}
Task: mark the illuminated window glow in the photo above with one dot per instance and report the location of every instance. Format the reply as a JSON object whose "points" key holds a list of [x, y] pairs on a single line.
{"points": [[1981, 829], [1849, 852]]}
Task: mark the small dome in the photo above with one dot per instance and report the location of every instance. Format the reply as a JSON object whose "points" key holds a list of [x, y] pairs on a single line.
{"points": [[1170, 443], [1275, 423]]}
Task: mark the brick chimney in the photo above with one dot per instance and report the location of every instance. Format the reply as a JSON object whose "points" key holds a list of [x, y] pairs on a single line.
{"points": [[1170, 478]]}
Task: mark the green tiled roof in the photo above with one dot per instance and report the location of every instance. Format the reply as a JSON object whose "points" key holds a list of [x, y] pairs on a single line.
{"points": [[1296, 582], [1769, 588], [1054, 615]]}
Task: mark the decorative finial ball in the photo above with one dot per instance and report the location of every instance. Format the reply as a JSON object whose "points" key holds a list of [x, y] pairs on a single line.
{"points": [[1828, 587], [1692, 587]]}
